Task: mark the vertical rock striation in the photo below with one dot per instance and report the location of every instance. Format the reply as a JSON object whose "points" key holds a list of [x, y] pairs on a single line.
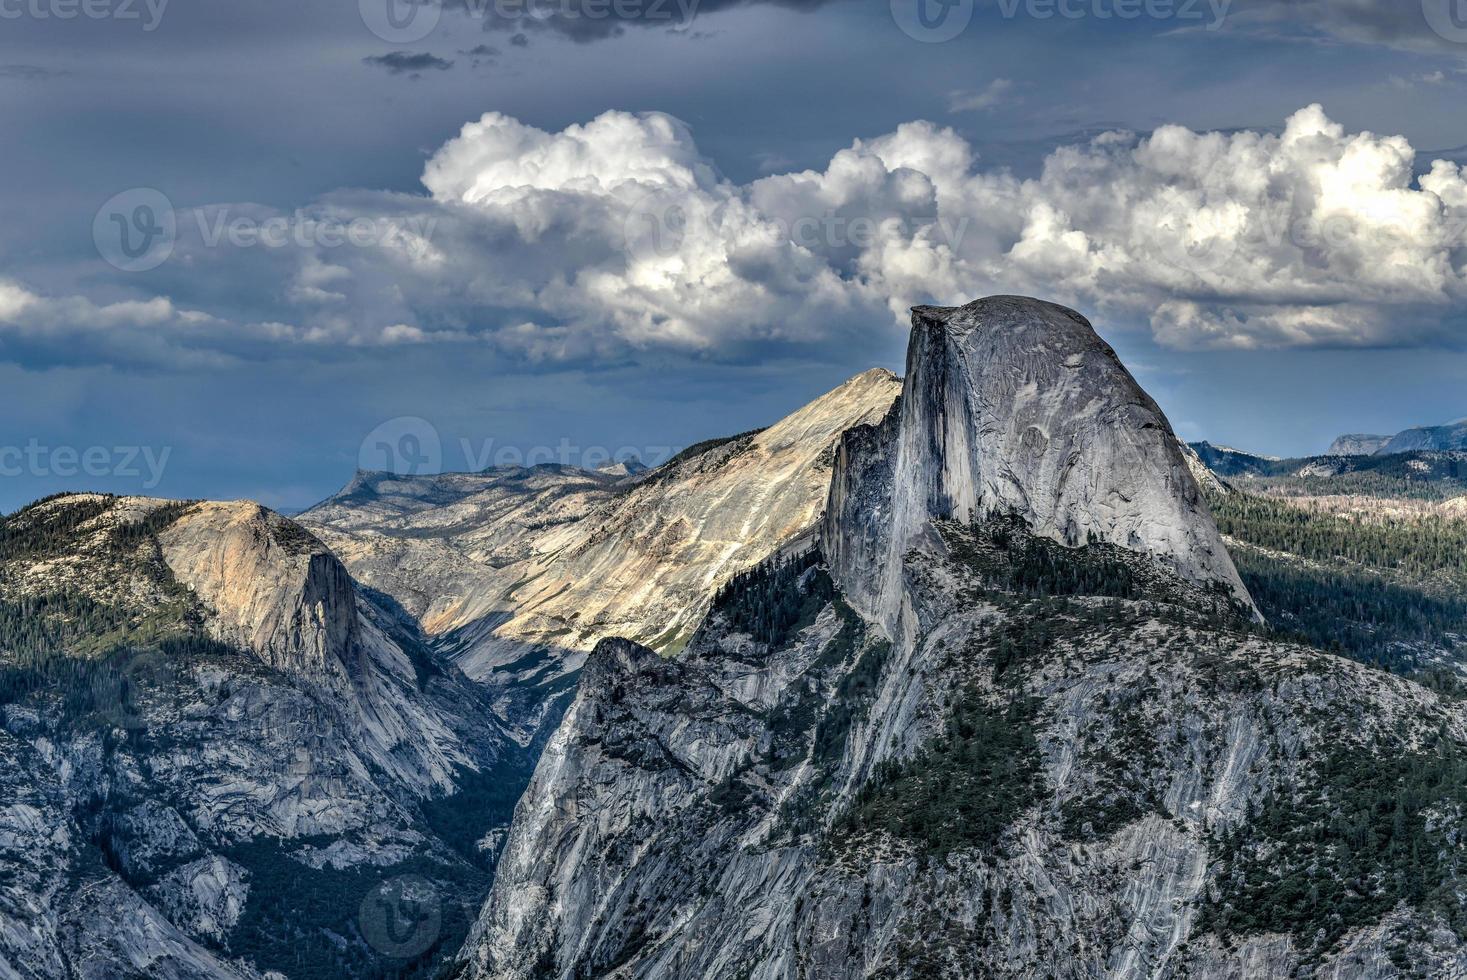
{"points": [[1015, 405]]}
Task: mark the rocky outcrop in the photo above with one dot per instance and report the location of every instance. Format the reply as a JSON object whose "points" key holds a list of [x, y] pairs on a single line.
{"points": [[1451, 437], [1207, 480], [272, 587], [630, 466], [793, 812], [204, 731], [1356, 444]]}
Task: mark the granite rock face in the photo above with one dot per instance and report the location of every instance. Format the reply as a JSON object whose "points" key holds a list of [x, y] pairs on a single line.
{"points": [[272, 588], [1014, 405], [722, 814], [1021, 724], [1451, 437], [1434, 438]]}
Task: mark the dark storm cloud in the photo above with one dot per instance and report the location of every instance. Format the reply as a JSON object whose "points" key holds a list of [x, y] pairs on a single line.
{"points": [[404, 62], [1427, 25], [593, 20]]}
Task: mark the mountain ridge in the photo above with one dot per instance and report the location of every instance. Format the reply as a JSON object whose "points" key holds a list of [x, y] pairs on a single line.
{"points": [[1448, 437], [516, 574]]}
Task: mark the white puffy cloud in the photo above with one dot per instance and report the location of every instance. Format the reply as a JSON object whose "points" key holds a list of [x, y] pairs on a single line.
{"points": [[24, 312], [73, 328], [1313, 236], [620, 234]]}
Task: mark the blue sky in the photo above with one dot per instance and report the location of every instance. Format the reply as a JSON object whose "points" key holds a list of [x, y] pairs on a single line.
{"points": [[590, 235]]}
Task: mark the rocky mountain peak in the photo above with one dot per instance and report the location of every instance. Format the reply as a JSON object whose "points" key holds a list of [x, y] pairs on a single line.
{"points": [[1357, 444], [1016, 405], [273, 587]]}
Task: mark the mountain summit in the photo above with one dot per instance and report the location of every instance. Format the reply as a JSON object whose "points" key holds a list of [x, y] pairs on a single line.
{"points": [[1016, 406]]}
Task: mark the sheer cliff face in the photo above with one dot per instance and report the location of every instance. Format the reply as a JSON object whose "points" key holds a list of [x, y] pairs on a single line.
{"points": [[1016, 405], [272, 588], [1073, 791], [978, 751]]}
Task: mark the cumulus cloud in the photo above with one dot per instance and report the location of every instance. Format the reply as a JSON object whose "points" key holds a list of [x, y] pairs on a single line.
{"points": [[24, 311], [619, 235], [76, 329]]}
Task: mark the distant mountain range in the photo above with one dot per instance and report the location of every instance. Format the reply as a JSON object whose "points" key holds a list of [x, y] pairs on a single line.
{"points": [[1432, 438], [1426, 473]]}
